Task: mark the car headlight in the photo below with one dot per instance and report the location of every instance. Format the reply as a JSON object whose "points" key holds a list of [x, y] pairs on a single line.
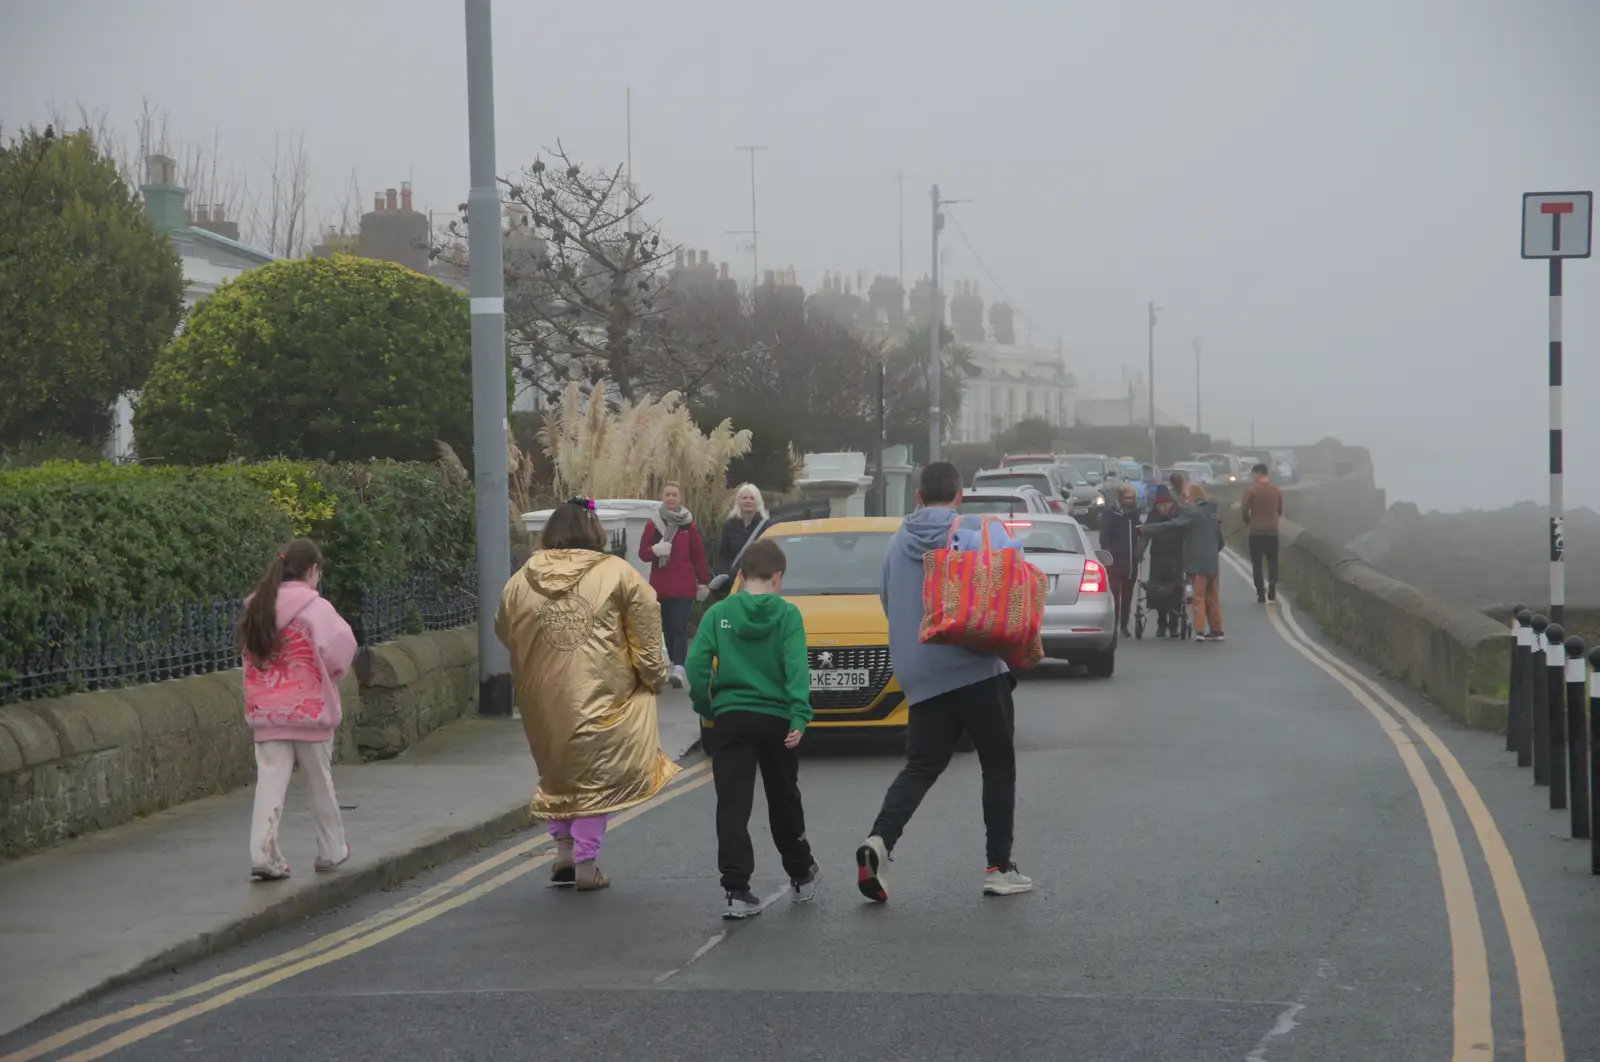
{"points": [[1099, 499]]}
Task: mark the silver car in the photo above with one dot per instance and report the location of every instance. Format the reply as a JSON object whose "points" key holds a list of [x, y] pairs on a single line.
{"points": [[998, 501], [1065, 489], [1080, 612]]}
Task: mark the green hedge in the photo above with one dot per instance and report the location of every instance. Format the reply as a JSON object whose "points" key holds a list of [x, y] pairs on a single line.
{"points": [[80, 542]]}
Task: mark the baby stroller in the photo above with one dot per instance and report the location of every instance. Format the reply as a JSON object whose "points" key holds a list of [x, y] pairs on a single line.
{"points": [[1165, 594]]}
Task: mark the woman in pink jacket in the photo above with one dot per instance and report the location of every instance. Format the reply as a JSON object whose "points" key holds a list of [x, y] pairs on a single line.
{"points": [[296, 649]]}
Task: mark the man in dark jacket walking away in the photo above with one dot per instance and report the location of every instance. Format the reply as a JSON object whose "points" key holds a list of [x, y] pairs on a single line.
{"points": [[1262, 508], [951, 689], [1120, 536]]}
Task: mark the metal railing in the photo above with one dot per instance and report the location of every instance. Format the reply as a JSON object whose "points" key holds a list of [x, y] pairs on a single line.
{"points": [[197, 637]]}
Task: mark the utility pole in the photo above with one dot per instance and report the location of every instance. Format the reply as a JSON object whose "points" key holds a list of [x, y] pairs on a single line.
{"points": [[1197, 385], [628, 183], [755, 249], [900, 179], [1152, 384], [936, 314], [486, 265]]}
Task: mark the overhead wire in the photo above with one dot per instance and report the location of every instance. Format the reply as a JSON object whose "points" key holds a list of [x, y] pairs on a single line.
{"points": [[987, 272]]}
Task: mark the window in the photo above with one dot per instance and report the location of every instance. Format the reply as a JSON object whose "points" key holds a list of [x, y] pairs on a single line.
{"points": [[834, 563]]}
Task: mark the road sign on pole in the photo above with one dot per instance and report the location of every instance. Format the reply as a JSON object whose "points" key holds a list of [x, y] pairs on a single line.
{"points": [[1556, 226]]}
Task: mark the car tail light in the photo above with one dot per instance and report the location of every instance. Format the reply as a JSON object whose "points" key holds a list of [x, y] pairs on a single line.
{"points": [[1056, 506], [1094, 578], [1009, 524]]}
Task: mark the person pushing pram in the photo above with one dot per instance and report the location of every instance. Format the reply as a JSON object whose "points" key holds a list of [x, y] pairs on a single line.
{"points": [[1164, 589]]}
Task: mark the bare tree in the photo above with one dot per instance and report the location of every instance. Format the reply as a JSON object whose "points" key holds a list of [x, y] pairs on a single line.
{"points": [[278, 219]]}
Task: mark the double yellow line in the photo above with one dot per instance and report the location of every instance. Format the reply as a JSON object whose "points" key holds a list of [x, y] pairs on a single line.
{"points": [[220, 991], [1473, 1030]]}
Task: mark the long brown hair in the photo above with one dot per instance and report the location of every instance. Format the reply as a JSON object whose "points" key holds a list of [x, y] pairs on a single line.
{"points": [[259, 636]]}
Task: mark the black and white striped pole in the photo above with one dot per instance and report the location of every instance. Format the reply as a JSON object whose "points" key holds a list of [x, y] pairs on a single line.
{"points": [[1594, 761], [1538, 716], [1514, 680], [1522, 695], [1555, 710], [1556, 226], [1577, 735]]}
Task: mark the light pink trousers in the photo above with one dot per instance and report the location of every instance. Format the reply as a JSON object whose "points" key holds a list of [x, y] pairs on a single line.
{"points": [[275, 762]]}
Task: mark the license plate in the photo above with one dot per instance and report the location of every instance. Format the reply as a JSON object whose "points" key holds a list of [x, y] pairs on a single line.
{"points": [[841, 679]]}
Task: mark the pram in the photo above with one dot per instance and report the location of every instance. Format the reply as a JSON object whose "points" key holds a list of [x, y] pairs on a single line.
{"points": [[1166, 594]]}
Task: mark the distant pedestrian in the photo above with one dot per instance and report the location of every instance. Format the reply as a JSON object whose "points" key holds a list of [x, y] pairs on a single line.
{"points": [[1179, 484], [1202, 546], [749, 674], [584, 631], [951, 690], [747, 516], [1262, 508], [296, 648], [1120, 536], [1166, 564], [672, 546]]}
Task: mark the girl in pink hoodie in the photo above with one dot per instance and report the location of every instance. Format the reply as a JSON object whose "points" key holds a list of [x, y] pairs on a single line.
{"points": [[296, 649]]}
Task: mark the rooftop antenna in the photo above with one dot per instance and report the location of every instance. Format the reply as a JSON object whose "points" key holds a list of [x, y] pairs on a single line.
{"points": [[753, 232]]}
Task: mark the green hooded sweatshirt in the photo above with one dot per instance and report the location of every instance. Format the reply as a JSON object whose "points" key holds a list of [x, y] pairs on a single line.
{"points": [[749, 655]]}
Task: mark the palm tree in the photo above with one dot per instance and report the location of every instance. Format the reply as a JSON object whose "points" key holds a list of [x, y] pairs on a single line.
{"points": [[906, 384]]}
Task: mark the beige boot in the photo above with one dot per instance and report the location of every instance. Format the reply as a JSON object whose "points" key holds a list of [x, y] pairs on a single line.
{"points": [[589, 877], [563, 870]]}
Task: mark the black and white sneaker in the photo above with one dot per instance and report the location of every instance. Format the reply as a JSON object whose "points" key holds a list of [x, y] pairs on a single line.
{"points": [[870, 861], [743, 904], [1216, 636], [804, 890], [1005, 881]]}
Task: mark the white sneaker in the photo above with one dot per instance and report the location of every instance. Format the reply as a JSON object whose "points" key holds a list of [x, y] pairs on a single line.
{"points": [[269, 871], [742, 905], [330, 864], [805, 889], [871, 859], [1006, 881], [677, 677]]}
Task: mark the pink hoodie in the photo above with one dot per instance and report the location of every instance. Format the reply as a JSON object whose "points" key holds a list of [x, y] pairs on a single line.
{"points": [[297, 697]]}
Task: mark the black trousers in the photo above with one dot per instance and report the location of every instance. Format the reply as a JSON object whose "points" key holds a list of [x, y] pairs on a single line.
{"points": [[985, 711], [747, 742], [1264, 547], [675, 625], [1121, 579]]}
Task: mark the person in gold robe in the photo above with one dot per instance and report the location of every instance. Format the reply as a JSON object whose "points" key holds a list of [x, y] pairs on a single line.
{"points": [[584, 632]]}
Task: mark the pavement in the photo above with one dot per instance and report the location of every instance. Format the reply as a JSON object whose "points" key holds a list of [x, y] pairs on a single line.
{"points": [[1237, 857], [173, 887]]}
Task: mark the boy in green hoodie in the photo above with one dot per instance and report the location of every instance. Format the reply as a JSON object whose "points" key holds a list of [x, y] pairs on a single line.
{"points": [[748, 673]]}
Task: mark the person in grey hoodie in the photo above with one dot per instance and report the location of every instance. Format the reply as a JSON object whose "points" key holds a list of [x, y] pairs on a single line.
{"points": [[950, 690], [1202, 548]]}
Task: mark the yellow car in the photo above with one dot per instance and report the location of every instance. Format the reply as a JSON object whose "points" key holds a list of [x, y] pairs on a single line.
{"points": [[834, 571]]}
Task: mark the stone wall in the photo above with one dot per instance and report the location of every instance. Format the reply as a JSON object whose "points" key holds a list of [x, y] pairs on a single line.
{"points": [[1455, 657], [70, 765]]}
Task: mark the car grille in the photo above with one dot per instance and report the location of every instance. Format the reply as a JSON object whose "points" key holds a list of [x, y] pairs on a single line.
{"points": [[874, 658]]}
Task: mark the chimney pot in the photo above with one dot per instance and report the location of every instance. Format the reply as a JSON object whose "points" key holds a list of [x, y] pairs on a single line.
{"points": [[377, 202], [391, 199], [677, 258], [405, 195], [705, 258], [768, 278]]}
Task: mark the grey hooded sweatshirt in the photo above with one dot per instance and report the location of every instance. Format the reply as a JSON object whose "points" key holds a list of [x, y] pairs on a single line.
{"points": [[924, 671]]}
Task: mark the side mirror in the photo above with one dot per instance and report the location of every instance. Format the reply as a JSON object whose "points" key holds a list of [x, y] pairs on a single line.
{"points": [[1103, 556]]}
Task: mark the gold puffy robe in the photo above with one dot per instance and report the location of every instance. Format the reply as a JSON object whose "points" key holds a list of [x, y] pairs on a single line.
{"points": [[584, 633]]}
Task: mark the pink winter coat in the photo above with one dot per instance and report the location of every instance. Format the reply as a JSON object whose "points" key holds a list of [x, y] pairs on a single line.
{"points": [[296, 698]]}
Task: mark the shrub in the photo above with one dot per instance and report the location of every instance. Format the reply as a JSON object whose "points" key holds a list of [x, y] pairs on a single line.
{"points": [[82, 546], [318, 359]]}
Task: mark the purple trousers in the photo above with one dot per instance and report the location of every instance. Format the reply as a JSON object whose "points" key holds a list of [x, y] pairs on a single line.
{"points": [[586, 834]]}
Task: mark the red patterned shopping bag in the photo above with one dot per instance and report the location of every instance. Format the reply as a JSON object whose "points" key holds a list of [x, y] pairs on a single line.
{"points": [[987, 600]]}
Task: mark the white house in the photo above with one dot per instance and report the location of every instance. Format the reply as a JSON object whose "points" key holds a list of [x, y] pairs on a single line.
{"points": [[211, 253]]}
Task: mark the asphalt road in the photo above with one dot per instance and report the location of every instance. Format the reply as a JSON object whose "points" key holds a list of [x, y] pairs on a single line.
{"points": [[1234, 862]]}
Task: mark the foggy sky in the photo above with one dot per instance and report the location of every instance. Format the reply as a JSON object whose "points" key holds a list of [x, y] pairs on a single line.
{"points": [[1328, 193]]}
